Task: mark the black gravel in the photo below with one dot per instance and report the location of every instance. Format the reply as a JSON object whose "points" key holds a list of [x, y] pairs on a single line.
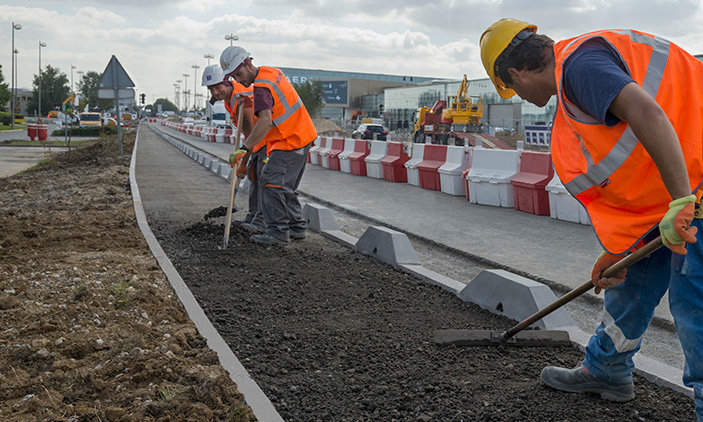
{"points": [[331, 335]]}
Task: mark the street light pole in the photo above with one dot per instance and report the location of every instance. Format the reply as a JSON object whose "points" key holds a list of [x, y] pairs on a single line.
{"points": [[80, 77], [195, 89], [41, 44], [72, 67], [208, 56], [185, 92], [12, 62], [231, 38], [178, 94]]}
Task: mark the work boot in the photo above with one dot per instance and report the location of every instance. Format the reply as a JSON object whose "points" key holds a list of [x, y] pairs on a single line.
{"points": [[580, 380], [237, 223], [252, 228], [267, 239], [298, 234]]}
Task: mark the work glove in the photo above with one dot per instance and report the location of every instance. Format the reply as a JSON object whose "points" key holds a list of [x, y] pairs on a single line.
{"points": [[606, 260], [675, 226], [241, 171], [237, 157]]}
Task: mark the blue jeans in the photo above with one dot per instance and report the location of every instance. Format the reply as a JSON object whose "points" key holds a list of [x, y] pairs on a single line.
{"points": [[629, 307]]}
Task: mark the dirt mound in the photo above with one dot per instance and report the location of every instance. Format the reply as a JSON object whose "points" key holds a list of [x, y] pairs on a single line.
{"points": [[90, 329]]}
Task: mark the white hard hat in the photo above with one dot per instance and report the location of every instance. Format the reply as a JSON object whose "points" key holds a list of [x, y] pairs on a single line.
{"points": [[212, 75], [232, 57]]}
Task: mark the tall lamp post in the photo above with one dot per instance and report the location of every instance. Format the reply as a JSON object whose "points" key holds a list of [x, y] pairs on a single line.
{"points": [[185, 92], [15, 26], [80, 77], [178, 94], [208, 56], [195, 89], [41, 44], [72, 67], [231, 38]]}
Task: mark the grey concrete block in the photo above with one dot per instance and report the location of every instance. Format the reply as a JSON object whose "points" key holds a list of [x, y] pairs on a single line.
{"points": [[201, 158], [432, 277], [206, 162], [245, 186], [195, 155], [225, 171], [516, 297], [319, 218], [340, 237], [387, 245], [215, 166]]}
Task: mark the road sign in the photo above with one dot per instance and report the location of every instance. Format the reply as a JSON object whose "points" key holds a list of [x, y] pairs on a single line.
{"points": [[112, 94], [115, 76], [335, 92]]}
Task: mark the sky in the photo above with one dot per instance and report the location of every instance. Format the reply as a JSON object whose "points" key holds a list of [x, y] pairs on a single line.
{"points": [[157, 41]]}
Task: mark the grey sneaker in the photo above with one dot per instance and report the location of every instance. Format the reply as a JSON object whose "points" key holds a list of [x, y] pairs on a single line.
{"points": [[252, 228], [267, 239], [579, 380], [298, 235]]}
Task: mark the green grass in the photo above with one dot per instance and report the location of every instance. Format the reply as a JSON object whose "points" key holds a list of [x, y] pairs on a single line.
{"points": [[8, 127], [24, 142]]}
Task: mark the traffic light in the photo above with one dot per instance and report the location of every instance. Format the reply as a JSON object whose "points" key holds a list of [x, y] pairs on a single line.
{"points": [[143, 96]]}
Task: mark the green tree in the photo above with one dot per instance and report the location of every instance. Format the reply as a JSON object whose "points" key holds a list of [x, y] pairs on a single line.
{"points": [[88, 87], [5, 93], [311, 95], [54, 90], [166, 105]]}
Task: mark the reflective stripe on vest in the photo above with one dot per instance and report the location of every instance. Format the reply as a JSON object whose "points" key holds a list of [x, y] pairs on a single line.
{"points": [[598, 173], [289, 109]]}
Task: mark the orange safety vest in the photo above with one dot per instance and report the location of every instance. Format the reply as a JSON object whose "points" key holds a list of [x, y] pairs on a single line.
{"points": [[292, 126], [606, 167], [239, 91]]}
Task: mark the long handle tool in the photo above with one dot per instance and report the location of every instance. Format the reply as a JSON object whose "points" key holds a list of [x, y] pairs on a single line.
{"points": [[235, 181], [538, 337]]}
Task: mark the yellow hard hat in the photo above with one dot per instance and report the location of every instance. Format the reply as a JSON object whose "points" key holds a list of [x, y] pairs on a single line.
{"points": [[494, 41]]}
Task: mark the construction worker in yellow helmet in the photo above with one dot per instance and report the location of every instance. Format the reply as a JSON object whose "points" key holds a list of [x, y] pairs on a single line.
{"points": [[627, 142]]}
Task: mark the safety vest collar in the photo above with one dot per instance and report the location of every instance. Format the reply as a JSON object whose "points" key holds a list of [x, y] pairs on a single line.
{"points": [[598, 173], [288, 108]]}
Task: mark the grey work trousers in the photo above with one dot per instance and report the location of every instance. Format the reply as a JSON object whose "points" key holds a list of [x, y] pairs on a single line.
{"points": [[280, 179], [256, 215]]}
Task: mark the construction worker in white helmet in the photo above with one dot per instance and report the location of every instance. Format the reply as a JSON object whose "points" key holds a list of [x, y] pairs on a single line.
{"points": [[235, 95], [627, 142], [286, 127]]}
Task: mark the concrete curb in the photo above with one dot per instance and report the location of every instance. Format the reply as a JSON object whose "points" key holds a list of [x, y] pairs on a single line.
{"points": [[260, 405], [652, 370]]}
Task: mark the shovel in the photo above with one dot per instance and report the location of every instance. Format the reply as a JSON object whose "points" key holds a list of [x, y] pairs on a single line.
{"points": [[235, 182], [515, 336]]}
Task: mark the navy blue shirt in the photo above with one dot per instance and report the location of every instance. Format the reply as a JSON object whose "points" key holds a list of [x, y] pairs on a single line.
{"points": [[593, 76]]}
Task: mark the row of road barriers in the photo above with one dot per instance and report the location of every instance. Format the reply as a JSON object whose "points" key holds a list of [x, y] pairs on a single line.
{"points": [[207, 133], [524, 180]]}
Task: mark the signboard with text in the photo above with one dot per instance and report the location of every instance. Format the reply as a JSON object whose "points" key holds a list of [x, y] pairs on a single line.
{"points": [[335, 92]]}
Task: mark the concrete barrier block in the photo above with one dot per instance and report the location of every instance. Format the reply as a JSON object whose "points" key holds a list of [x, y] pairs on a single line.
{"points": [[206, 162], [387, 245], [516, 297], [215, 166], [195, 155], [319, 218], [225, 171]]}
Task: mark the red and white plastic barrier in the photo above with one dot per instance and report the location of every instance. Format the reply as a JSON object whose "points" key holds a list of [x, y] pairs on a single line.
{"points": [[344, 163], [418, 151], [458, 160], [374, 168]]}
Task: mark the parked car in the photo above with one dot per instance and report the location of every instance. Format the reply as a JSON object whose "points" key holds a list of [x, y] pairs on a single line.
{"points": [[188, 121], [368, 130]]}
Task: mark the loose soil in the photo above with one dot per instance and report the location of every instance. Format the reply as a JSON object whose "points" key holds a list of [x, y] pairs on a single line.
{"points": [[90, 329], [331, 335]]}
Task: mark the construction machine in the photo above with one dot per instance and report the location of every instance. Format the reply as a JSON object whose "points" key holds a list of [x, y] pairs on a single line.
{"points": [[455, 119]]}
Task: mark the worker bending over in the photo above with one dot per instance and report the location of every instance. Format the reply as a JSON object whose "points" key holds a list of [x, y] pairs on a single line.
{"points": [[286, 127], [627, 143], [235, 95]]}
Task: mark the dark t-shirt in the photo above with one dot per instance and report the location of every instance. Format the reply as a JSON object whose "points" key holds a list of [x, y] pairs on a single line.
{"points": [[263, 100], [593, 76]]}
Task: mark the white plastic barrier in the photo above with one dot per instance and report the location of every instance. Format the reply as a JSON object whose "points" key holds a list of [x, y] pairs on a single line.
{"points": [[344, 164], [490, 176], [374, 168], [324, 158], [563, 206], [458, 160], [418, 150], [220, 135], [313, 149], [204, 132]]}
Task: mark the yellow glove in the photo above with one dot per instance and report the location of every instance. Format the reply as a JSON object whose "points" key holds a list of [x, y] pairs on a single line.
{"points": [[675, 226]]}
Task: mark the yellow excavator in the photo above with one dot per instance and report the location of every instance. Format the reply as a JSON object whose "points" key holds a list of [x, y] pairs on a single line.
{"points": [[465, 112]]}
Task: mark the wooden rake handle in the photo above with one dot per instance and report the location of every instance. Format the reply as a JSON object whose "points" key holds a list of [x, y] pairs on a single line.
{"points": [[235, 179], [609, 272]]}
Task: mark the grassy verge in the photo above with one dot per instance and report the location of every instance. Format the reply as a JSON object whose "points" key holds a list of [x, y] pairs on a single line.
{"points": [[20, 142], [8, 127]]}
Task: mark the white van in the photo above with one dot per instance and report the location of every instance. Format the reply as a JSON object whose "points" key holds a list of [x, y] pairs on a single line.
{"points": [[220, 115]]}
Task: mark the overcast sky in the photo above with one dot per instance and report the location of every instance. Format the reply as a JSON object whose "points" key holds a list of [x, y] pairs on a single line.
{"points": [[157, 41]]}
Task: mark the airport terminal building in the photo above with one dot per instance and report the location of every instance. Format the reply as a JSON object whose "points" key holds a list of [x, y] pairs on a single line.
{"points": [[396, 98]]}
